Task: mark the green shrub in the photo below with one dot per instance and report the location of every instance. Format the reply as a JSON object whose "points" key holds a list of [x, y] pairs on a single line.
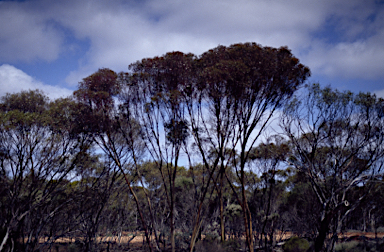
{"points": [[346, 246], [359, 246], [296, 244]]}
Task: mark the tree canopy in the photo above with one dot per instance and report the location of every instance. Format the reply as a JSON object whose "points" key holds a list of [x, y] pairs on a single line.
{"points": [[180, 149]]}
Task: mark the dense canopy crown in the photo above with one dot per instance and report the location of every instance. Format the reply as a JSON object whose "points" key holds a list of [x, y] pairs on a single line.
{"points": [[250, 70]]}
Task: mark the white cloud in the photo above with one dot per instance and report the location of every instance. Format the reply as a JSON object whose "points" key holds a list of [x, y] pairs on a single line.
{"points": [[26, 35], [121, 34], [360, 59], [379, 93], [13, 80], [358, 51]]}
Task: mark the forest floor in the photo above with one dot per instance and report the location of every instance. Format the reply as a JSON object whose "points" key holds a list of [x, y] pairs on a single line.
{"points": [[135, 242]]}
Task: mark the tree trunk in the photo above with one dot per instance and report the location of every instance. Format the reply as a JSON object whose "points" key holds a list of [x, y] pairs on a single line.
{"points": [[5, 239], [172, 193], [195, 233], [172, 225], [246, 212], [323, 230], [222, 227], [247, 223]]}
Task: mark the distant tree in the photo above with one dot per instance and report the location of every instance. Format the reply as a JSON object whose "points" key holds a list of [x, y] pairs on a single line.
{"points": [[267, 159], [338, 144], [299, 208], [91, 195]]}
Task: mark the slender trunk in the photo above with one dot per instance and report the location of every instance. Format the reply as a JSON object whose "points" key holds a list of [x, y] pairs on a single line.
{"points": [[172, 224], [250, 229], [5, 239], [266, 216], [194, 234], [247, 221], [172, 193], [222, 227], [246, 212]]}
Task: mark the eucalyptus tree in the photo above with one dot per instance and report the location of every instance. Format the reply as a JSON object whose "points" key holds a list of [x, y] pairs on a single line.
{"points": [[246, 84], [38, 155], [337, 138], [112, 128], [212, 123], [153, 96], [221, 101]]}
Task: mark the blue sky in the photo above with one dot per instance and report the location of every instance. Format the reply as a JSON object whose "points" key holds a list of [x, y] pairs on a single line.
{"points": [[52, 45]]}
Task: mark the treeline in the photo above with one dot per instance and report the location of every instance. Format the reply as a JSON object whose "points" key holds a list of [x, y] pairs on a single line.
{"points": [[191, 150]]}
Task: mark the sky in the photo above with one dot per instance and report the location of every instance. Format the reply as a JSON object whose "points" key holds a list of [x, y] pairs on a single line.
{"points": [[52, 45]]}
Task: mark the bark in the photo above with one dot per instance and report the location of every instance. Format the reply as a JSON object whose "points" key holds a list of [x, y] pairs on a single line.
{"points": [[172, 223], [5, 239], [172, 205], [323, 230], [247, 217], [194, 234], [246, 212], [222, 227]]}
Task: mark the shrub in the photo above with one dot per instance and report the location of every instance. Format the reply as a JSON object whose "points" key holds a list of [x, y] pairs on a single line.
{"points": [[208, 246], [232, 245], [347, 246], [75, 247], [296, 244]]}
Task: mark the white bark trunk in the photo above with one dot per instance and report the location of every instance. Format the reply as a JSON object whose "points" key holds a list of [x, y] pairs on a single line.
{"points": [[5, 239]]}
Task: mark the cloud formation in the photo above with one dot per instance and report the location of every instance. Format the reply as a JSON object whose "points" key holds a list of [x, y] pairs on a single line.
{"points": [[27, 35], [336, 38], [13, 80]]}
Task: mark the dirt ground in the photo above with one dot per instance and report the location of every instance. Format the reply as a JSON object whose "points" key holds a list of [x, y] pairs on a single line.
{"points": [[366, 234]]}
